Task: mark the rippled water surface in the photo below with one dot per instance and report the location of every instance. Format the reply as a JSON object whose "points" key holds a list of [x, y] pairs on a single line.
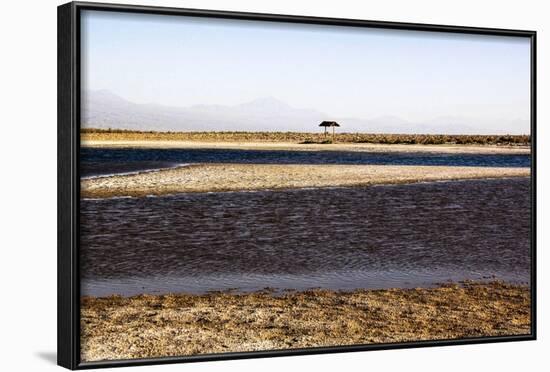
{"points": [[101, 161], [340, 238]]}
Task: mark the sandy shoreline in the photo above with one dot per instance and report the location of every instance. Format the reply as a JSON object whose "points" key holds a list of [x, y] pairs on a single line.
{"points": [[242, 177], [165, 325], [292, 146]]}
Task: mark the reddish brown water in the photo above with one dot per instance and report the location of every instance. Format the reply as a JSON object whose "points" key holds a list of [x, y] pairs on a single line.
{"points": [[340, 238]]}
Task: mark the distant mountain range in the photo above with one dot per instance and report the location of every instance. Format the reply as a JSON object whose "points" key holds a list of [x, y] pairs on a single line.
{"points": [[104, 109]]}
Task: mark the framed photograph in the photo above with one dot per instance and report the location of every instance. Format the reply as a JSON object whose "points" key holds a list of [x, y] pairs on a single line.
{"points": [[237, 185]]}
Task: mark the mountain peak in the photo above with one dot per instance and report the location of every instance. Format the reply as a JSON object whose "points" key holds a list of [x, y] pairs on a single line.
{"points": [[265, 103]]}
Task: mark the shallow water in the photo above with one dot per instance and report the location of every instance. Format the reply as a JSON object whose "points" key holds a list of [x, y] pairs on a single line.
{"points": [[340, 238], [101, 161]]}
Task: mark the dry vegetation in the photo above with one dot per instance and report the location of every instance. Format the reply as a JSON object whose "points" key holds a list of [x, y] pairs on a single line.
{"points": [[89, 134], [166, 325]]}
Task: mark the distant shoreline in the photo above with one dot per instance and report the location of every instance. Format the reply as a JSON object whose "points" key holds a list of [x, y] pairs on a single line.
{"points": [[91, 136], [289, 146], [184, 324]]}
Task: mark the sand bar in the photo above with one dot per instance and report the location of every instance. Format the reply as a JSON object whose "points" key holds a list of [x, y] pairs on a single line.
{"points": [[241, 177], [165, 325], [290, 146]]}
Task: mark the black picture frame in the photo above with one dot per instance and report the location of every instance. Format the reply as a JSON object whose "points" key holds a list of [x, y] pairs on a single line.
{"points": [[68, 91]]}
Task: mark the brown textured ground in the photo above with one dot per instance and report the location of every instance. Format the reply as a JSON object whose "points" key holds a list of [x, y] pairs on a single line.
{"points": [[154, 326], [237, 177], [89, 134]]}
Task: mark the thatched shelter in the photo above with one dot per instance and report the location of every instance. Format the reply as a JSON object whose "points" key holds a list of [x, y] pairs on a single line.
{"points": [[327, 124]]}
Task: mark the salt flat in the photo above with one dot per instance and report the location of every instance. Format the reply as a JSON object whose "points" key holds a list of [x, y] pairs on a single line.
{"points": [[243, 177]]}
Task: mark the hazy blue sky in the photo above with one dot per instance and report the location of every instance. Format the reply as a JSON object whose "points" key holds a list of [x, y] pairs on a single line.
{"points": [[341, 71]]}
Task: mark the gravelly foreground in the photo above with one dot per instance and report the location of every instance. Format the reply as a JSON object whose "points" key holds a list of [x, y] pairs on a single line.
{"points": [[167, 325]]}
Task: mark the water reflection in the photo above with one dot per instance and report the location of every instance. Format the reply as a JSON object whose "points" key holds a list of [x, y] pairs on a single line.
{"points": [[343, 238]]}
